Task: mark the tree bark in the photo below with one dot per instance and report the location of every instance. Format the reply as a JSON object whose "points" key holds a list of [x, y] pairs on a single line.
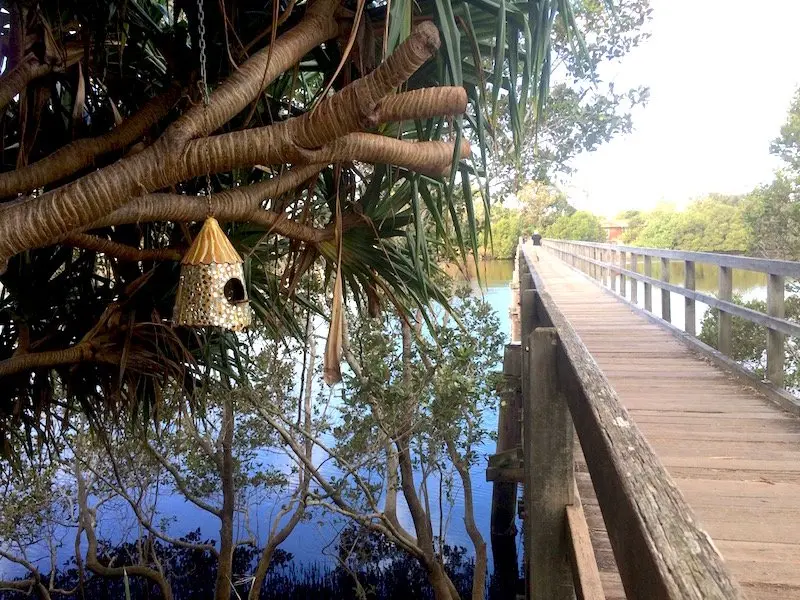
{"points": [[440, 582], [481, 557], [331, 132], [82, 153], [87, 523], [277, 538], [224, 583]]}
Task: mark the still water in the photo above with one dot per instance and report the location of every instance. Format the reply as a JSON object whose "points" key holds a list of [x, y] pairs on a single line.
{"points": [[312, 539], [749, 285], [311, 542]]}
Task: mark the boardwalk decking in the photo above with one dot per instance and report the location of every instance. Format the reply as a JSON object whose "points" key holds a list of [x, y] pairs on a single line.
{"points": [[734, 454]]}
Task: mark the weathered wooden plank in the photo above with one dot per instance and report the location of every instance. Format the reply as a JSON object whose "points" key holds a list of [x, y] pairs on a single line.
{"points": [[727, 307], [689, 310], [775, 339], [651, 528], [505, 475], [585, 574], [785, 268], [666, 311], [725, 295], [723, 407], [548, 468]]}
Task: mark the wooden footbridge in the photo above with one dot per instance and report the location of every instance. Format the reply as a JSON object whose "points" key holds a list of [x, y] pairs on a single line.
{"points": [[652, 466]]}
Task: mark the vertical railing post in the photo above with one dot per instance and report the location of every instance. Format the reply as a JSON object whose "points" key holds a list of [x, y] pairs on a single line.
{"points": [[595, 268], [775, 339], [634, 282], [648, 288], [666, 312], [725, 293], [504, 494], [623, 291], [612, 276], [689, 325], [548, 471]]}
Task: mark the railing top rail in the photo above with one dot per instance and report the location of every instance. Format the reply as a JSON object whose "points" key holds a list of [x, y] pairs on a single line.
{"points": [[787, 268], [660, 550]]}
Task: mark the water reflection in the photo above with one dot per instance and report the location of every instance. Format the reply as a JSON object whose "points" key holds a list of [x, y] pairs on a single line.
{"points": [[750, 285]]}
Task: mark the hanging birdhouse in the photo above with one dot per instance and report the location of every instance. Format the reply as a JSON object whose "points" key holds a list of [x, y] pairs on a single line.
{"points": [[211, 289]]}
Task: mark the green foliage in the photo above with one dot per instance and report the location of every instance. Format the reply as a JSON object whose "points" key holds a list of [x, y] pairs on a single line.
{"points": [[507, 227], [787, 144], [580, 225], [582, 111], [749, 340], [714, 224], [540, 206], [773, 218], [773, 214]]}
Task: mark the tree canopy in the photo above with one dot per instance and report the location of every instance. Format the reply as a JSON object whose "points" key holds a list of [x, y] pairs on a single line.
{"points": [[580, 225], [333, 136]]}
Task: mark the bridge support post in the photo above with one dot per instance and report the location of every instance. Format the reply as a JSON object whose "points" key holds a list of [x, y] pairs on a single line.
{"points": [[623, 286], [504, 493], [648, 288], [666, 312], [689, 325], [634, 282], [775, 339], [725, 293], [548, 472]]}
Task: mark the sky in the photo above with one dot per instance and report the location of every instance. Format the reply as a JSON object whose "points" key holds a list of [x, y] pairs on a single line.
{"points": [[721, 75]]}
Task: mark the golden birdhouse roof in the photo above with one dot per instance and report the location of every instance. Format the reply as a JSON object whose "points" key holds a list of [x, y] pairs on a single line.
{"points": [[211, 246]]}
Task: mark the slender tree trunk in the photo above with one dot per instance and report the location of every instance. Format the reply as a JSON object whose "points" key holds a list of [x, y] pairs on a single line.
{"points": [[277, 538], [224, 583], [481, 560], [443, 588]]}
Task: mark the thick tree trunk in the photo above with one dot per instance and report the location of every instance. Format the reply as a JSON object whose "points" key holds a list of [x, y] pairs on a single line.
{"points": [[224, 583]]}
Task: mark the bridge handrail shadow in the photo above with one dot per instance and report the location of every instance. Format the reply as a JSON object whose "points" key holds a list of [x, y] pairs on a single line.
{"points": [[660, 551], [613, 266]]}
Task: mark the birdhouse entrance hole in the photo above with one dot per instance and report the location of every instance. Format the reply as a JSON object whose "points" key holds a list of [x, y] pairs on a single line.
{"points": [[234, 291]]}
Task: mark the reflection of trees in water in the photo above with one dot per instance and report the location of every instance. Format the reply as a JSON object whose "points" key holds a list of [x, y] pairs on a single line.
{"points": [[368, 567], [707, 276]]}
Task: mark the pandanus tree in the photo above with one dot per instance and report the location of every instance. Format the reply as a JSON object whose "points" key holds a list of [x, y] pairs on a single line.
{"points": [[331, 135]]}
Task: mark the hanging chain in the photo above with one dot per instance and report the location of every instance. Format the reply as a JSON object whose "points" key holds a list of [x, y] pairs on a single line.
{"points": [[201, 30]]}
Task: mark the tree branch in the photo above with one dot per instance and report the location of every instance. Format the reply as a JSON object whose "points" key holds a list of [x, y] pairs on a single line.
{"points": [[87, 521], [17, 79], [271, 146], [239, 204], [180, 482], [254, 75], [79, 154], [316, 137], [81, 352], [121, 251]]}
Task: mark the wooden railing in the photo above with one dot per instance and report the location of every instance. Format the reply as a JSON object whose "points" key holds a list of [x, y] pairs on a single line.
{"points": [[555, 390], [609, 263]]}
